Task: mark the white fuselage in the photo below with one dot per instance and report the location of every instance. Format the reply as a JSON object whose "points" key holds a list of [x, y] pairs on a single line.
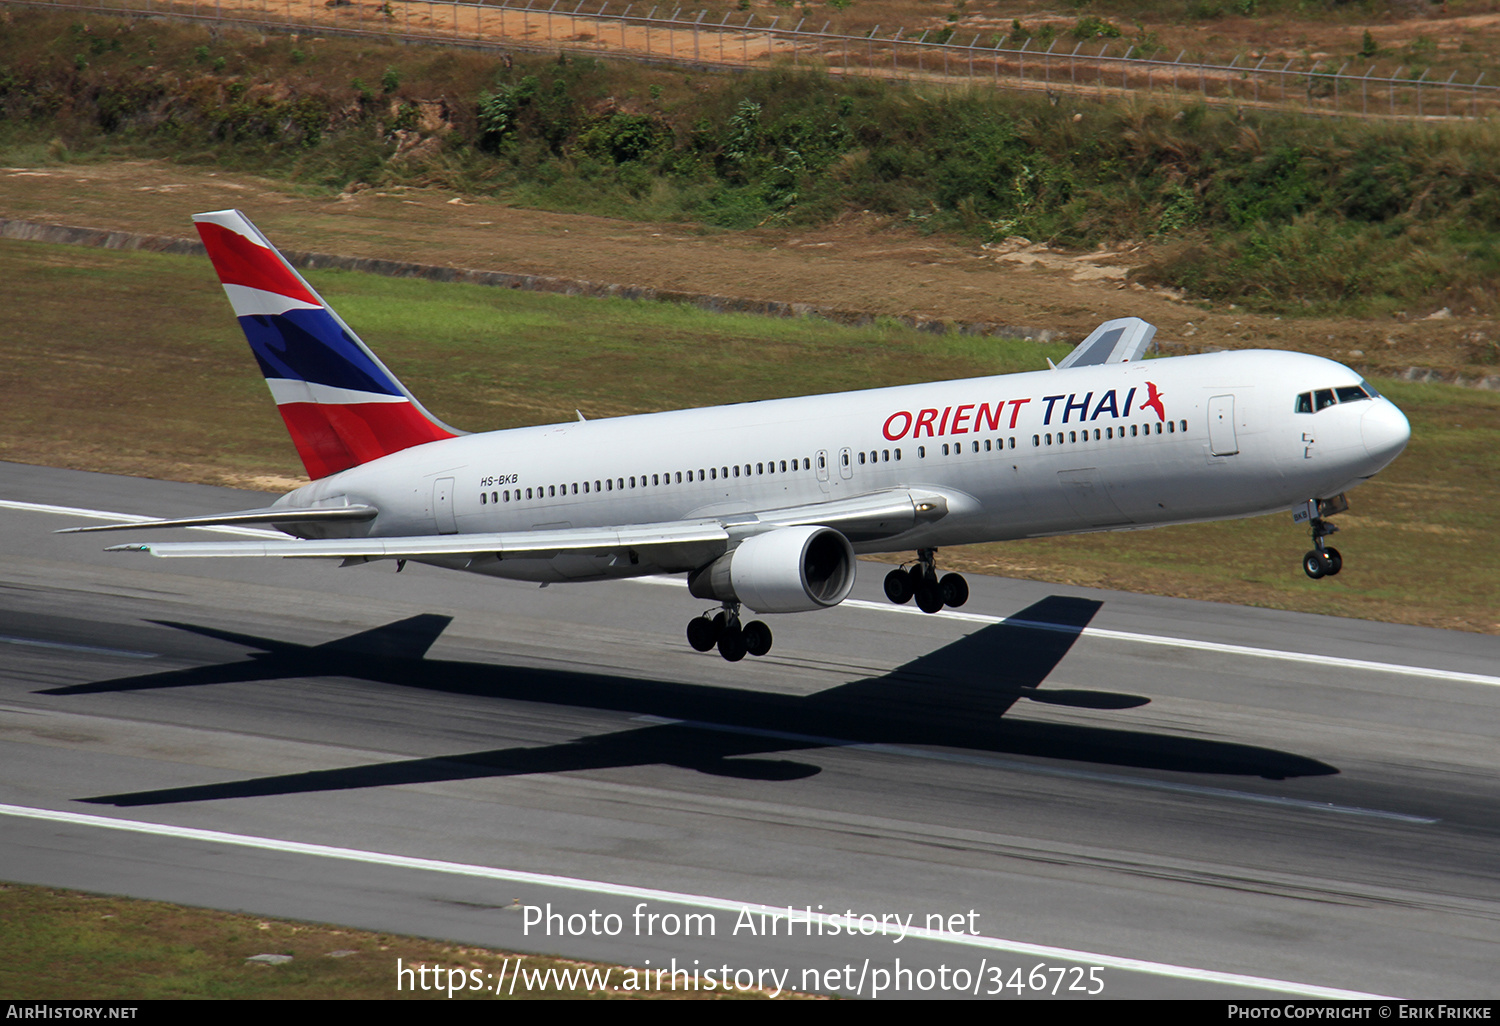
{"points": [[1015, 456]]}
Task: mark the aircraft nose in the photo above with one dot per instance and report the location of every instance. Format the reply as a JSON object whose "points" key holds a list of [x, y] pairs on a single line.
{"points": [[1385, 431]]}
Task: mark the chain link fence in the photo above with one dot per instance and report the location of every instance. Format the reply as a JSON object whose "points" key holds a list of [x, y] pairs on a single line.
{"points": [[749, 40]]}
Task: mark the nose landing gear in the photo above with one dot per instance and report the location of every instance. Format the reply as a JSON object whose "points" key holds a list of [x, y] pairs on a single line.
{"points": [[735, 640], [1322, 560], [922, 583]]}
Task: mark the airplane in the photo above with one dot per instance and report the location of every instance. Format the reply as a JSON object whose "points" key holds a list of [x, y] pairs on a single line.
{"points": [[765, 505]]}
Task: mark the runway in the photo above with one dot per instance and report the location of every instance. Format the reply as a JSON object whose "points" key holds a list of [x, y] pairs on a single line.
{"points": [[1198, 799]]}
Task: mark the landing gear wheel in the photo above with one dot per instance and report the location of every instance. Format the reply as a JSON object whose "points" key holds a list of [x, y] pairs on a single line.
{"points": [[1335, 561], [732, 643], [929, 595], [955, 590], [702, 633], [1313, 564], [898, 587], [757, 638]]}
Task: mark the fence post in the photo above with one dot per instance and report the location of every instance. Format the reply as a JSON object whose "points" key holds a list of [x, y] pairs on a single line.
{"points": [[1393, 86], [1024, 45], [795, 32], [894, 68], [1419, 92], [1474, 94]]}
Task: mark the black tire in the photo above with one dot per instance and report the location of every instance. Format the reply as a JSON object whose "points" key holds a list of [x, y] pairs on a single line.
{"points": [[929, 596], [757, 638], [702, 633], [1335, 561], [955, 590], [1313, 565], [732, 644], [898, 587]]}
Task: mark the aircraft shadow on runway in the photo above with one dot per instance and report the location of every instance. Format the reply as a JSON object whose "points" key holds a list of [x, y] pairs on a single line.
{"points": [[954, 697]]}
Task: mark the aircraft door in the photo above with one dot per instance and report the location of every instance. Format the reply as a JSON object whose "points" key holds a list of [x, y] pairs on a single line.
{"points": [[442, 506], [1221, 436], [846, 463], [820, 464]]}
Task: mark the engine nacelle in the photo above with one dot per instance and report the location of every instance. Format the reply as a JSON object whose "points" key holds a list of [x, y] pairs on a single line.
{"points": [[788, 570]]}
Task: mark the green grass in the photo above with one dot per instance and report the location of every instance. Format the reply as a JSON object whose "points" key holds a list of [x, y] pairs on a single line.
{"points": [[1278, 212], [61, 944], [132, 363]]}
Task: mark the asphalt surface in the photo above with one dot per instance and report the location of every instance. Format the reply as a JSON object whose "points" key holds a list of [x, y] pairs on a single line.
{"points": [[1184, 794]]}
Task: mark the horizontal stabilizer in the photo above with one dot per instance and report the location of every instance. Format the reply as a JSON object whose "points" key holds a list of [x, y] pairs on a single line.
{"points": [[269, 515], [1118, 341]]}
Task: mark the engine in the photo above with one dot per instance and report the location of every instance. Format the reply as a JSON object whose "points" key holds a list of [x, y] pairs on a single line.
{"points": [[788, 570]]}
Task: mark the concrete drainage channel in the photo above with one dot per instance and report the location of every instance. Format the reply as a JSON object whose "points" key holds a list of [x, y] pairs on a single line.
{"points": [[31, 231]]}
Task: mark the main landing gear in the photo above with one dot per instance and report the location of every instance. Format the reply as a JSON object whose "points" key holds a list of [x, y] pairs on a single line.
{"points": [[1323, 560], [735, 640], [922, 583]]}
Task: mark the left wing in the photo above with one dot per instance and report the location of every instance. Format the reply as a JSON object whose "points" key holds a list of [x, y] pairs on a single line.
{"points": [[1117, 341], [688, 543]]}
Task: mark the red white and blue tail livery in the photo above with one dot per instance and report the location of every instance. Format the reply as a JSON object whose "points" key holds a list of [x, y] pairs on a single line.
{"points": [[764, 505], [340, 403]]}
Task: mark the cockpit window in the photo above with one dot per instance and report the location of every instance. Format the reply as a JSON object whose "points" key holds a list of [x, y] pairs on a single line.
{"points": [[1311, 402]]}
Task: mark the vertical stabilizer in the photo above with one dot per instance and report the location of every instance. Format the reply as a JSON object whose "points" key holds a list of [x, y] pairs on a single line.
{"points": [[340, 403]]}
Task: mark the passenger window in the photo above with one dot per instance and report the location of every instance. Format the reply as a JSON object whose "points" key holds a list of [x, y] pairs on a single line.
{"points": [[736, 470], [898, 454], [945, 448], [976, 446], [528, 493], [1184, 425], [861, 458], [506, 495], [1158, 427], [552, 491], [760, 468], [783, 466], [921, 452], [632, 482], [1133, 430], [987, 445], [483, 498], [806, 463], [1322, 399], [575, 487], [1036, 440], [1072, 436]]}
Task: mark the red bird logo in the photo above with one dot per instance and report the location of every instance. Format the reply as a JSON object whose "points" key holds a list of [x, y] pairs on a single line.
{"points": [[1153, 402]]}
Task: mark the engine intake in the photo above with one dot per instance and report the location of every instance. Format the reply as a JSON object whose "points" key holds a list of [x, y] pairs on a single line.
{"points": [[788, 570]]}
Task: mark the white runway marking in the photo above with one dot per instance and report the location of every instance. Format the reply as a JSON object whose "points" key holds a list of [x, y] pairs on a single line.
{"points": [[129, 518], [1049, 771], [1158, 639], [694, 900], [1314, 659], [126, 653]]}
